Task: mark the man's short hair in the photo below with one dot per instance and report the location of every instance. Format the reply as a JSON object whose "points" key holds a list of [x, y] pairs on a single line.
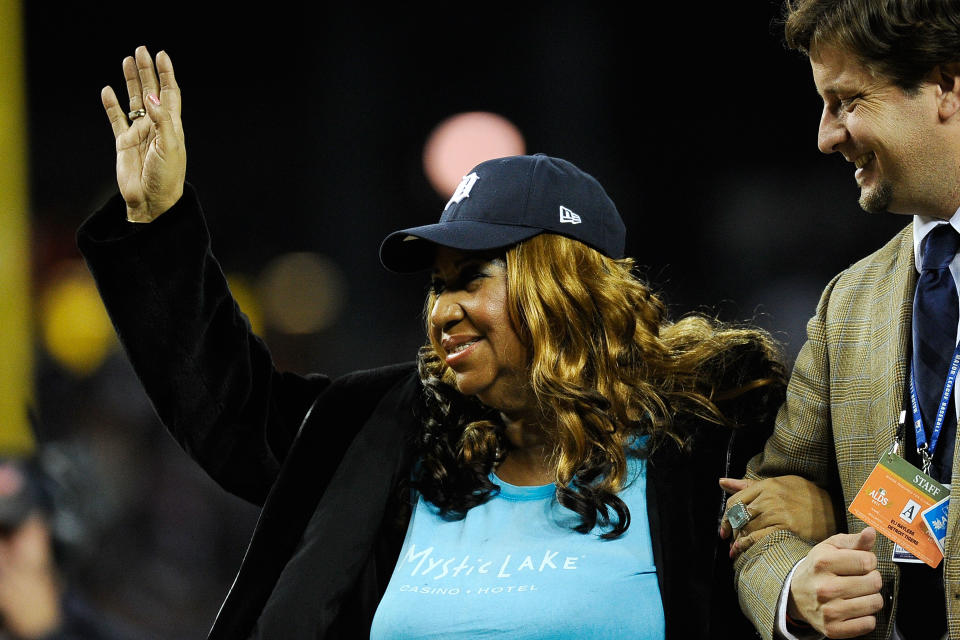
{"points": [[902, 40]]}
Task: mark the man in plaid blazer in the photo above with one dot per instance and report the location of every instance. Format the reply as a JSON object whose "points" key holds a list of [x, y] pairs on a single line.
{"points": [[888, 72]]}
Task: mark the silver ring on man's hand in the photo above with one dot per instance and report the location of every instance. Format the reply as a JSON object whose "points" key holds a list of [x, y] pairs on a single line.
{"points": [[136, 113], [738, 515]]}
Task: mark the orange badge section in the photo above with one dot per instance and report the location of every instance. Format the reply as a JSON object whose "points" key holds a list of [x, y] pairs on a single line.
{"points": [[891, 501]]}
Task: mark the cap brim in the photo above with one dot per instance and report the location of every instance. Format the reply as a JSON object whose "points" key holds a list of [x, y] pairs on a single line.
{"points": [[411, 250]]}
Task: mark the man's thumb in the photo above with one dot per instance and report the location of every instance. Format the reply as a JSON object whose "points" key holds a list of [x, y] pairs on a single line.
{"points": [[863, 541]]}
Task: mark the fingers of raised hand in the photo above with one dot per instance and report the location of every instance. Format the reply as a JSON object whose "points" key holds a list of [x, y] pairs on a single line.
{"points": [[116, 115], [169, 90], [132, 78], [147, 74]]}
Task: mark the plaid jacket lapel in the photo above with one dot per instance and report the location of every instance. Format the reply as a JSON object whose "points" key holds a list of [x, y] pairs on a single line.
{"points": [[891, 315]]}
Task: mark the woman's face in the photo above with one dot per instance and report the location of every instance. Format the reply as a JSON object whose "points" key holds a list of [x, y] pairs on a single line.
{"points": [[471, 323]]}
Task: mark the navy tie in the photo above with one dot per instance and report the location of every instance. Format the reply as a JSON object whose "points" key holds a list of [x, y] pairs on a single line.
{"points": [[935, 311]]}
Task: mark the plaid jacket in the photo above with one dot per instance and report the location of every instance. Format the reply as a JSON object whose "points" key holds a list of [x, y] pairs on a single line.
{"points": [[841, 412]]}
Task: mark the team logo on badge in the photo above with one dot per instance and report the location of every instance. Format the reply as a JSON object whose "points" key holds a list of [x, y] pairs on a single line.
{"points": [[880, 496]]}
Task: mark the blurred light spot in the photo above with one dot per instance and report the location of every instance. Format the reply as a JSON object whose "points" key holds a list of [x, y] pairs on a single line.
{"points": [[11, 480], [301, 293], [243, 292], [74, 326], [463, 141]]}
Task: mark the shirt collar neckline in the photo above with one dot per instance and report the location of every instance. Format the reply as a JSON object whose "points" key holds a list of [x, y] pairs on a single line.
{"points": [[922, 225]]}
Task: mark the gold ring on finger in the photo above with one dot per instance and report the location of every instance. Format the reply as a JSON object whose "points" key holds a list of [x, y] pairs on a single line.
{"points": [[136, 113]]}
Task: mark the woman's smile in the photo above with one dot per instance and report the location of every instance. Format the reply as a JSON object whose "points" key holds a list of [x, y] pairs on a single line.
{"points": [[470, 321]]}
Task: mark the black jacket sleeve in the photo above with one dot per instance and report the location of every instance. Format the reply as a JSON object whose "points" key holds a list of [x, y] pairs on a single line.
{"points": [[686, 503], [210, 379]]}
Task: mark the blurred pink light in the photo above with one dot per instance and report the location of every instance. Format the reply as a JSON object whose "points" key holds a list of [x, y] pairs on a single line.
{"points": [[464, 140], [11, 480]]}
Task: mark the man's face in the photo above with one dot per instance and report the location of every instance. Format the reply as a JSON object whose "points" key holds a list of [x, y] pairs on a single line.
{"points": [[891, 136]]}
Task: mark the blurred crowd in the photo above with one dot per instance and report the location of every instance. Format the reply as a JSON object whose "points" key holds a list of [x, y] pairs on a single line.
{"points": [[107, 530]]}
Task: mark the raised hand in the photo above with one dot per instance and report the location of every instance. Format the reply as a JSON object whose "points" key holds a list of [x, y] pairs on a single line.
{"points": [[779, 502], [151, 157], [836, 588]]}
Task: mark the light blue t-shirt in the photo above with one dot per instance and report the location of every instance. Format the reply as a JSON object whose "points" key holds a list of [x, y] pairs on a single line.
{"points": [[514, 568]]}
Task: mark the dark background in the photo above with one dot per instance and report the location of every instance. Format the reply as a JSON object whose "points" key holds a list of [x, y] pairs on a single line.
{"points": [[304, 128]]}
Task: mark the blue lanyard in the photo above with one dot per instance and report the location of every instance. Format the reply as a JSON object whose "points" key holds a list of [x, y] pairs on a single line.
{"points": [[923, 448]]}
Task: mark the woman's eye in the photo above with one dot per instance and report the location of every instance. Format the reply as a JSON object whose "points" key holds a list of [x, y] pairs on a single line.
{"points": [[464, 279], [471, 276]]}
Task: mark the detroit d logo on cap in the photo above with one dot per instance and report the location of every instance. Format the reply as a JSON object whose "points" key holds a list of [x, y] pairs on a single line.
{"points": [[463, 189]]}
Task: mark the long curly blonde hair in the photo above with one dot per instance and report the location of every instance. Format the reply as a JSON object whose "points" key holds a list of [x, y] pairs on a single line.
{"points": [[606, 365]]}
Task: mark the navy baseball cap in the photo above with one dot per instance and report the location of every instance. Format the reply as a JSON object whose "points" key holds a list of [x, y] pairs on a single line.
{"points": [[503, 201]]}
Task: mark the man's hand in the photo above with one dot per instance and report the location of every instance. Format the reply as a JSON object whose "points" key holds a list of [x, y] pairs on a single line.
{"points": [[836, 588]]}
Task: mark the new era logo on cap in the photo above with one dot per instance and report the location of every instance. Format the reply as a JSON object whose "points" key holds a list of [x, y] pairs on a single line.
{"points": [[569, 216]]}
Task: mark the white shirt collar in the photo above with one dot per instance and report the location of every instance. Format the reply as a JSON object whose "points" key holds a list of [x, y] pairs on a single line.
{"points": [[922, 225]]}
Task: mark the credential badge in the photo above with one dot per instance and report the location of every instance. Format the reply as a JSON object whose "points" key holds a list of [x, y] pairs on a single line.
{"points": [[463, 189], [569, 216]]}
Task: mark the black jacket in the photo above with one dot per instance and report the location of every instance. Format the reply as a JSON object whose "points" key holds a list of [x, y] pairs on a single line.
{"points": [[327, 459]]}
